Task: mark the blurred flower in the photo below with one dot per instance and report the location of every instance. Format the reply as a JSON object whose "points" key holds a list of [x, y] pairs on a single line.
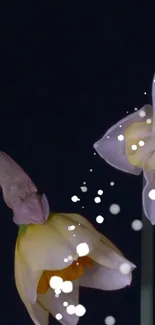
{"points": [[41, 253], [129, 145]]}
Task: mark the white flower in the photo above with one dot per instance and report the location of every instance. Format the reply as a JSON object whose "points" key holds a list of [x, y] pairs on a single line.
{"points": [[40, 253]]}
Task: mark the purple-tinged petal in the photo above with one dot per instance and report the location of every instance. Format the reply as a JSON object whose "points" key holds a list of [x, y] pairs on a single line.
{"points": [[103, 278], [153, 96], [46, 207], [20, 193], [55, 304], [148, 196], [112, 150]]}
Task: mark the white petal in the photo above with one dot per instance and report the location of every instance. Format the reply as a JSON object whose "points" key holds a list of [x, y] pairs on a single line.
{"points": [[55, 305], [37, 314], [106, 256], [83, 233], [100, 277], [46, 246], [112, 150]]}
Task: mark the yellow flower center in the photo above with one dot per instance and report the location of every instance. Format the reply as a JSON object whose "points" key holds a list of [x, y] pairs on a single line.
{"points": [[138, 145], [70, 273]]}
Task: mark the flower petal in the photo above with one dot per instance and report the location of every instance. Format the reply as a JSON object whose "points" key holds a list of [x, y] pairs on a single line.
{"points": [[37, 314], [148, 203], [46, 246], [84, 231], [112, 150], [55, 305], [105, 255], [103, 278]]}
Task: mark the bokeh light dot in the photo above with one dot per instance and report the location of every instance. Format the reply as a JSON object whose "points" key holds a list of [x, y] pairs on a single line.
{"points": [[97, 199], [137, 225], [114, 208], [110, 320], [99, 219]]}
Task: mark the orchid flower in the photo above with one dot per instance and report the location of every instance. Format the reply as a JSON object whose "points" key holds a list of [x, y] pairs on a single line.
{"points": [[20, 193], [65, 252], [129, 145]]}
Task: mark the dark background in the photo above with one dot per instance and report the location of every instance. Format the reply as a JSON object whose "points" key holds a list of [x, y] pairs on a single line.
{"points": [[69, 71]]}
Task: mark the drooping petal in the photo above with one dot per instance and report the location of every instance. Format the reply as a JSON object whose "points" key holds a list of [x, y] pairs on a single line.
{"points": [[113, 150], [103, 278], [47, 246], [38, 315], [55, 304], [105, 255], [148, 199]]}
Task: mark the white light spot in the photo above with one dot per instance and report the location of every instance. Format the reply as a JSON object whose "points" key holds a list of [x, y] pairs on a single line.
{"points": [[70, 309], [112, 183], [65, 303], [148, 121], [135, 108], [120, 137], [108, 136], [82, 207], [67, 286], [74, 198], [84, 188], [142, 114], [125, 268], [134, 147], [91, 170], [84, 183], [145, 93], [137, 225], [97, 199], [55, 282], [152, 194], [58, 316], [120, 125], [70, 228], [110, 320], [57, 291], [82, 249], [100, 192], [99, 219], [114, 208], [127, 112], [141, 143], [94, 153], [65, 260], [80, 310], [70, 258]]}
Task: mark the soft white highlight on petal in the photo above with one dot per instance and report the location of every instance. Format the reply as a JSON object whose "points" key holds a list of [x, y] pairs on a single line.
{"points": [[82, 249], [67, 286], [55, 282], [80, 310]]}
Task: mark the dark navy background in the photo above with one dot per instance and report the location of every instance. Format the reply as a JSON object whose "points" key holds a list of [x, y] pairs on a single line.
{"points": [[69, 71]]}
